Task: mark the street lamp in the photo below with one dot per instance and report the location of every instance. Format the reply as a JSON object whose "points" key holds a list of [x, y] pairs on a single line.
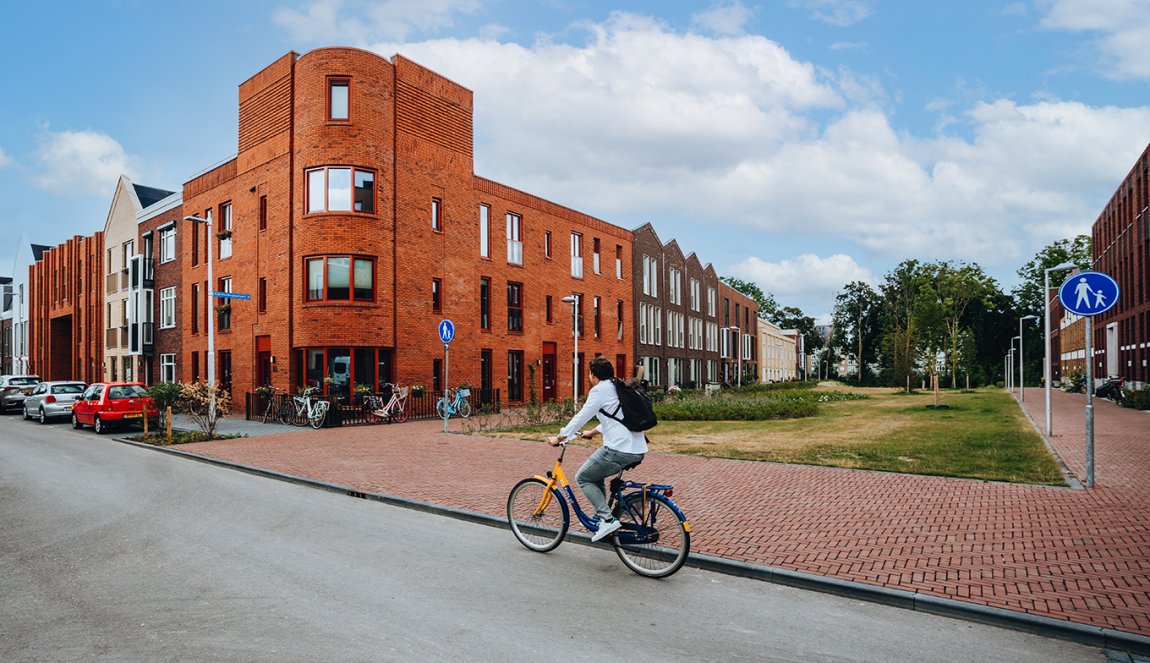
{"points": [[1021, 382], [211, 320], [1046, 334], [573, 300], [1015, 358], [739, 350]]}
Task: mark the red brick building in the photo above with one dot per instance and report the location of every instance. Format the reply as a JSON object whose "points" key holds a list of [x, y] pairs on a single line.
{"points": [[739, 322], [66, 310], [353, 218], [1121, 248]]}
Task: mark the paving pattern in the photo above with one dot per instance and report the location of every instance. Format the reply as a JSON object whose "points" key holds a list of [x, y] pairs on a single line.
{"points": [[1074, 554]]}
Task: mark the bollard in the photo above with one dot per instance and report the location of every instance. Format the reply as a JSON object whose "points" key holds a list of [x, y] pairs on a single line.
{"points": [[145, 419], [168, 417]]}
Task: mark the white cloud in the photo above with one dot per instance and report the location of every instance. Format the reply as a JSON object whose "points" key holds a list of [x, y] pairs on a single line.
{"points": [[727, 18], [803, 276], [5, 160], [1123, 27], [835, 12], [84, 162], [359, 22]]}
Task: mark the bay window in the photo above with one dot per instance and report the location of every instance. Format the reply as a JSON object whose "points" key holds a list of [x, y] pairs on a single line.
{"points": [[340, 189], [340, 278]]}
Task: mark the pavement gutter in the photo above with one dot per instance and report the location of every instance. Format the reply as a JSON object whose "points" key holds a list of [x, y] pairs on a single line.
{"points": [[1092, 636]]}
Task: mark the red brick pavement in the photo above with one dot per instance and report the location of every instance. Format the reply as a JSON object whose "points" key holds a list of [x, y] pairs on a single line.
{"points": [[1070, 554]]}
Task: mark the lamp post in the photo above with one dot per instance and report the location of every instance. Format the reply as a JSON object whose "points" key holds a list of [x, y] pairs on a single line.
{"points": [[1046, 367], [211, 320], [1016, 358], [739, 351], [573, 300], [1010, 368], [1021, 382]]}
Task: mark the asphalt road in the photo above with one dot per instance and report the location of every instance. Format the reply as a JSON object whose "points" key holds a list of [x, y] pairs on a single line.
{"points": [[111, 552]]}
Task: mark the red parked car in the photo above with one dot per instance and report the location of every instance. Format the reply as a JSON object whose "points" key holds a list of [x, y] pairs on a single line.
{"points": [[107, 404]]}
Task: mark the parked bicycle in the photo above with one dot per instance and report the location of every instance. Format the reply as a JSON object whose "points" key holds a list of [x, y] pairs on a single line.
{"points": [[394, 410], [304, 409], [654, 538], [270, 407], [459, 404]]}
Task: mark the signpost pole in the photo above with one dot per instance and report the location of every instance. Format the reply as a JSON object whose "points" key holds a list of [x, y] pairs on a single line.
{"points": [[1089, 320], [446, 373]]}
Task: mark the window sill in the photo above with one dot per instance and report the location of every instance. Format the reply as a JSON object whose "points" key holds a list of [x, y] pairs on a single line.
{"points": [[340, 303], [349, 212]]}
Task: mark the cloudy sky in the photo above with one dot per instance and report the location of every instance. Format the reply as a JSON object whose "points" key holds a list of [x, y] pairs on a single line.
{"points": [[799, 144]]}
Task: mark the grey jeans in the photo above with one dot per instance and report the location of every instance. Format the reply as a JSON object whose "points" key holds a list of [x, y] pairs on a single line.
{"points": [[603, 463]]}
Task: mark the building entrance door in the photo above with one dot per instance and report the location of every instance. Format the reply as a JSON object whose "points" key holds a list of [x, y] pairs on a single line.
{"points": [[548, 372]]}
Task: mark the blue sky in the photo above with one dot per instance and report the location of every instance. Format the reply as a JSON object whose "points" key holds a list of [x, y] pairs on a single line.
{"points": [[800, 144]]}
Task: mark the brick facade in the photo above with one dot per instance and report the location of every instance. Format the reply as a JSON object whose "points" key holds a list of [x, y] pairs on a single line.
{"points": [[66, 310], [741, 313], [1121, 248]]}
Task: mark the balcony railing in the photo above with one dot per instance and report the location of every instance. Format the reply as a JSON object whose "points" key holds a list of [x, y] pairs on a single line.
{"points": [[112, 338]]}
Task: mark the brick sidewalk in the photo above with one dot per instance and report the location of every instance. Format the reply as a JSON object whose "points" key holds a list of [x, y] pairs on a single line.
{"points": [[1077, 555]]}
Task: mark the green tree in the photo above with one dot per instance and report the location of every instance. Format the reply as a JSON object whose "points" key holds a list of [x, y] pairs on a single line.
{"points": [[790, 317], [958, 286], [1032, 275], [901, 312], [856, 317], [768, 305]]}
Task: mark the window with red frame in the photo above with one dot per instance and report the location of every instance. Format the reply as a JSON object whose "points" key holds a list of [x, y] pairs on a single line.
{"points": [[338, 99], [340, 278], [330, 189]]}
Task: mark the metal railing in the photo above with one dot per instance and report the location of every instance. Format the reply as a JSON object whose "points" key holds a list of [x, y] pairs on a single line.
{"points": [[349, 410]]}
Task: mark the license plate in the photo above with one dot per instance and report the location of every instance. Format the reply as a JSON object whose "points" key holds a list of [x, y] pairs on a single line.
{"points": [[134, 415], [67, 408]]}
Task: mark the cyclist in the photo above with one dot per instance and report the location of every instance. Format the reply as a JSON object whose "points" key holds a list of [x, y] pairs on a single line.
{"points": [[621, 447]]}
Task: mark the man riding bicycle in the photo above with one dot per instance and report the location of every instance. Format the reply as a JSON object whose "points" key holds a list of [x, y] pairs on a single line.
{"points": [[621, 447]]}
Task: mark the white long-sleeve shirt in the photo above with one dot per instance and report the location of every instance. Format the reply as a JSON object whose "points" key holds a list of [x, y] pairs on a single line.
{"points": [[615, 435]]}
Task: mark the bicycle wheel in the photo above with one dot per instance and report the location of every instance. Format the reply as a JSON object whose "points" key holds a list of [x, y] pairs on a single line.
{"points": [[538, 525], [464, 408], [370, 408], [653, 541], [400, 413], [284, 414], [318, 414], [270, 409], [441, 408]]}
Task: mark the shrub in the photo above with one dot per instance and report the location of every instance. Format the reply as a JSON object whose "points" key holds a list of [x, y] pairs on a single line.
{"points": [[734, 409], [1139, 399], [195, 401]]}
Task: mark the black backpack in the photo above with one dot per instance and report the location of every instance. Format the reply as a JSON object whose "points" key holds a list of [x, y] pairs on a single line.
{"points": [[635, 410]]}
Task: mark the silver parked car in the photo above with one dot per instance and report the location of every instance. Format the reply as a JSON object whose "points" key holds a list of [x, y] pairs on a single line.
{"points": [[13, 389], [52, 399]]}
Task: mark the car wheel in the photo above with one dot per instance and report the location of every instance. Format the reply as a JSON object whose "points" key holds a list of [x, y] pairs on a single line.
{"points": [[99, 426], [24, 411], [76, 422], [43, 417]]}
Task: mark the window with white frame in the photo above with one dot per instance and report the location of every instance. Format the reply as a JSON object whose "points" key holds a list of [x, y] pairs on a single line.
{"points": [[657, 316], [437, 214], [168, 244], [484, 231], [514, 239], [330, 189], [695, 300], [168, 308], [642, 323], [650, 276], [675, 286], [711, 302], [168, 368], [577, 255]]}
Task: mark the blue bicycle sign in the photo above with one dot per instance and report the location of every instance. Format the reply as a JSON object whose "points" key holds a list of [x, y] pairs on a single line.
{"points": [[1088, 293]]}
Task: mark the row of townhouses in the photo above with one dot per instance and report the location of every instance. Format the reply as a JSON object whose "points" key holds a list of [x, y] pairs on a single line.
{"points": [[348, 224], [1120, 246]]}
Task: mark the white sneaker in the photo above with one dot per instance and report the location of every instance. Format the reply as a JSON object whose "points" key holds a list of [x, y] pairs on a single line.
{"points": [[606, 529]]}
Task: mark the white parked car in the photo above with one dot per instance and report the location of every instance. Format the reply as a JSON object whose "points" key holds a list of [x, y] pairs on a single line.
{"points": [[13, 389], [52, 399]]}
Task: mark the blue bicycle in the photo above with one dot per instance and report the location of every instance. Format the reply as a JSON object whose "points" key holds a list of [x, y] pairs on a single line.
{"points": [[446, 407]]}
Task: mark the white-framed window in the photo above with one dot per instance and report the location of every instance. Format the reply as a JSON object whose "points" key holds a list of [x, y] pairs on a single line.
{"points": [[675, 286], [225, 230], [650, 276], [168, 244], [577, 255], [514, 239], [168, 308], [168, 368], [695, 299], [642, 323], [437, 214], [711, 302], [485, 231], [658, 326]]}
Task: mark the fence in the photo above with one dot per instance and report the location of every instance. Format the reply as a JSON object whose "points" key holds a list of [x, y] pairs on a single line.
{"points": [[349, 410]]}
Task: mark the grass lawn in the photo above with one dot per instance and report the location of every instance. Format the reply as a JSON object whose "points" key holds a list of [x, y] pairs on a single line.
{"points": [[980, 434]]}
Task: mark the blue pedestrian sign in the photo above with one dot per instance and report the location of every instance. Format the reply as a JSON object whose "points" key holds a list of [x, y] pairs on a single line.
{"points": [[1088, 293], [446, 331]]}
